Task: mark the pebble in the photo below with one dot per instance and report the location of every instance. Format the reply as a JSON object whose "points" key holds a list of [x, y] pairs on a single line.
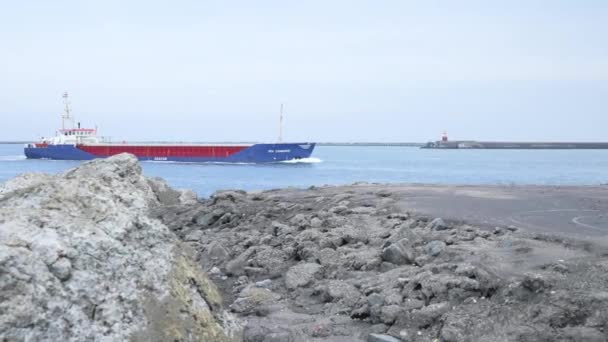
{"points": [[266, 283]]}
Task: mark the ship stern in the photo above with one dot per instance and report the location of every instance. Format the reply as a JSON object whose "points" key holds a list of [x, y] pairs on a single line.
{"points": [[273, 153]]}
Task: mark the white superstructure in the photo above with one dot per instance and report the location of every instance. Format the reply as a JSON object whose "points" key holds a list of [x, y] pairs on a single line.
{"points": [[74, 135]]}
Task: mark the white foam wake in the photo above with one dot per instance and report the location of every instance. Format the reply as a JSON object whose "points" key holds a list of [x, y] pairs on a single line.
{"points": [[12, 158], [310, 160]]}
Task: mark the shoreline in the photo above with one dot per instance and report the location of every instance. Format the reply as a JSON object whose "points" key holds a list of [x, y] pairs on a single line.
{"points": [[568, 209]]}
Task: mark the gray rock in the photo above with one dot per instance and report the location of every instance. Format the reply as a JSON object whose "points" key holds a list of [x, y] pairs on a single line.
{"points": [[384, 193], [215, 271], [266, 240], [236, 266], [328, 257], [256, 333], [413, 304], [350, 234], [266, 283], [316, 222], [299, 220], [390, 313], [216, 251], [163, 192], [375, 299], [62, 268], [81, 259], [399, 216], [273, 260], [194, 235], [393, 296], [278, 336], [584, 334], [208, 219], [404, 335], [338, 291], [398, 253], [231, 196], [535, 282], [434, 248], [251, 299], [453, 333], [381, 338], [379, 328], [282, 229], [340, 209], [188, 197], [429, 314], [363, 210], [438, 224], [302, 275]]}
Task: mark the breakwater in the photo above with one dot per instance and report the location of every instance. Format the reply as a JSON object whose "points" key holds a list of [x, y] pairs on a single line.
{"points": [[471, 144]]}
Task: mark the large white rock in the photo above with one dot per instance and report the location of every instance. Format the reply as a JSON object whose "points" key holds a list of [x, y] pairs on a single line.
{"points": [[81, 260]]}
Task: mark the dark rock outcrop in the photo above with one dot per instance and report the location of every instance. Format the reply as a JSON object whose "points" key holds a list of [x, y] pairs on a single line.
{"points": [[347, 264]]}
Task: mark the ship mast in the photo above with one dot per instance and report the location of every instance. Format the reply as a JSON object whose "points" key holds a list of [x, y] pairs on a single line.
{"points": [[281, 124], [66, 114]]}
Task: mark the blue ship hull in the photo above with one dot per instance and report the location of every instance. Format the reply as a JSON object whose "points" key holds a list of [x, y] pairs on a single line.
{"points": [[257, 153]]}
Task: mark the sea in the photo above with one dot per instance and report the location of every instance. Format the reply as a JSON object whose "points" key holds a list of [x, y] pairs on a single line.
{"points": [[338, 165]]}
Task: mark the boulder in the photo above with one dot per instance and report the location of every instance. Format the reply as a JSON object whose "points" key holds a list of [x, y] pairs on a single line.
{"points": [[251, 300], [341, 292], [399, 253], [438, 224], [266, 283], [279, 229], [300, 220], [302, 275], [535, 282], [434, 248], [315, 222], [272, 260], [390, 313], [208, 219], [163, 192], [81, 259], [236, 266], [429, 314], [216, 251]]}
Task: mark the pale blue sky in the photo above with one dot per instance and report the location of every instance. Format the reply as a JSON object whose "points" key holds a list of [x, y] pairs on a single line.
{"points": [[346, 70]]}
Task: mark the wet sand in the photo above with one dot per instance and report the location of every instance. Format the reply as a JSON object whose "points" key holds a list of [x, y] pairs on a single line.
{"points": [[571, 210]]}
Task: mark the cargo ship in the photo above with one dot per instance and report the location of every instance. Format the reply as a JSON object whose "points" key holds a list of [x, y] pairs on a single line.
{"points": [[78, 143]]}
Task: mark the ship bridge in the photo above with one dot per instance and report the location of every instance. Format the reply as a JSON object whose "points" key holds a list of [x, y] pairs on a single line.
{"points": [[80, 132]]}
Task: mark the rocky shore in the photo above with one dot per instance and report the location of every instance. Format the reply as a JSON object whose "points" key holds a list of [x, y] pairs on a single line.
{"points": [[103, 253]]}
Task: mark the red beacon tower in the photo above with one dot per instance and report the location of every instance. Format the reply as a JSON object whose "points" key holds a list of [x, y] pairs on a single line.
{"points": [[444, 136]]}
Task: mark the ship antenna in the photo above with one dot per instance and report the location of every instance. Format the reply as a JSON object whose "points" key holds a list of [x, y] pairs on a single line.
{"points": [[281, 124], [66, 114]]}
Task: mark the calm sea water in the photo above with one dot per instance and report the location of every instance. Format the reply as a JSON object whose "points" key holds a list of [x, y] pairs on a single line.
{"points": [[346, 165]]}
